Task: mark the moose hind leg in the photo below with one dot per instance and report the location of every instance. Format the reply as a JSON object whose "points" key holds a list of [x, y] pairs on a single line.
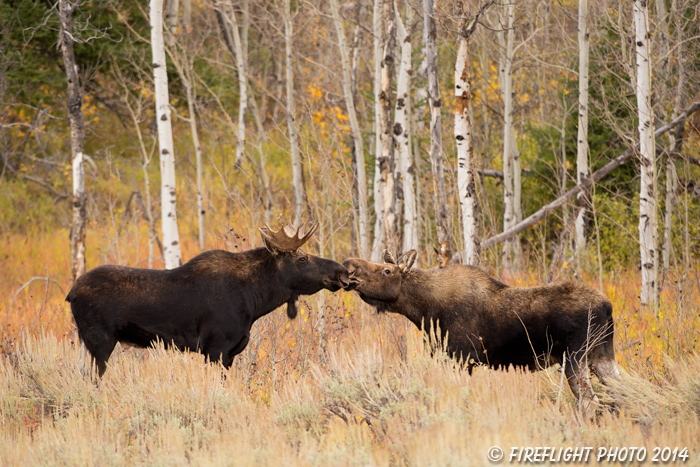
{"points": [[99, 349]]}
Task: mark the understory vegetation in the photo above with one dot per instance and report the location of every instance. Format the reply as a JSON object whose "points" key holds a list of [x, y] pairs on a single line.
{"points": [[339, 385]]}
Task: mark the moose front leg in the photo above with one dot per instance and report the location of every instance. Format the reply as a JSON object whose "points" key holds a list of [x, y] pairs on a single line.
{"points": [[235, 350], [580, 384]]}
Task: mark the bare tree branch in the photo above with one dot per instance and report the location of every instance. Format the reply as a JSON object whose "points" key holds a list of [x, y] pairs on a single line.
{"points": [[594, 178]]}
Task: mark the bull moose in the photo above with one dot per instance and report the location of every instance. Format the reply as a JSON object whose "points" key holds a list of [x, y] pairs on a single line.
{"points": [[206, 305], [485, 321]]}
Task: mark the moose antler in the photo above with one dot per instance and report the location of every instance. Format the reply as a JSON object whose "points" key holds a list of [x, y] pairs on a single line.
{"points": [[287, 238]]}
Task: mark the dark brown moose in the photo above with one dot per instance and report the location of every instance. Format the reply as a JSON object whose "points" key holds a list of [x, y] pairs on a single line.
{"points": [[206, 305], [486, 321]]}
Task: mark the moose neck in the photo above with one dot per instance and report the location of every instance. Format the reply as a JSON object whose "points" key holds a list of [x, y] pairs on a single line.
{"points": [[268, 290], [419, 301]]}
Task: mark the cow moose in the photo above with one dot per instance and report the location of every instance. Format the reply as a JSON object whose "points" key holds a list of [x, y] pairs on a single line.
{"points": [[206, 305], [487, 322]]}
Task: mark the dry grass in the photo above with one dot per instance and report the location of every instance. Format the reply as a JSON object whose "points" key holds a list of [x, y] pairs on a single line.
{"points": [[339, 385], [364, 405]]}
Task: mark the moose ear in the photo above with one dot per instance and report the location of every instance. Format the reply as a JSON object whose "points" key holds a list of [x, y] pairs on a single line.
{"points": [[388, 257], [407, 260]]}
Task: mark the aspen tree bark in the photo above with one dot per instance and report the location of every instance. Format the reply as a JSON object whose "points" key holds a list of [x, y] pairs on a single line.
{"points": [[172, 11], [582, 165], [647, 153], [671, 187], [402, 136], [240, 44], [388, 158], [358, 146], [378, 45], [297, 171], [506, 40], [417, 125], [198, 161], [355, 54], [663, 38], [676, 141], [466, 177], [187, 15], [171, 236], [74, 103], [517, 200], [355, 243], [442, 214]]}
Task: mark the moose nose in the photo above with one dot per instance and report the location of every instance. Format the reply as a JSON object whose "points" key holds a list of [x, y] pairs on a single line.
{"points": [[352, 281], [344, 281]]}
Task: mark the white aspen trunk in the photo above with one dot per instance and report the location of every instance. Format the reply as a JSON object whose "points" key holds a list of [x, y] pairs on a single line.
{"points": [[647, 152], [172, 11], [582, 165], [198, 158], [416, 163], [402, 135], [171, 236], [355, 128], [420, 97], [466, 180], [297, 173], [74, 103], [506, 74], [416, 125], [241, 65], [378, 43], [671, 187], [355, 240], [388, 160], [187, 15], [517, 200], [442, 216], [676, 141]]}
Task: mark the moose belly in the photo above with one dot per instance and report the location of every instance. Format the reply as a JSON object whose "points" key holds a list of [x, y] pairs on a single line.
{"points": [[132, 335]]}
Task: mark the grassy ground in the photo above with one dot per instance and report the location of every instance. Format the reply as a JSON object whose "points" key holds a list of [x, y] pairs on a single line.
{"points": [[339, 385]]}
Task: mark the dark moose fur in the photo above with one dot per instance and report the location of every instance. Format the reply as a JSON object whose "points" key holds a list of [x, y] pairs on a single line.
{"points": [[206, 305], [486, 321]]}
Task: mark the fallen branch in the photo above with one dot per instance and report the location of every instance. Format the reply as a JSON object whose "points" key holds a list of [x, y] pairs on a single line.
{"points": [[58, 194], [586, 184]]}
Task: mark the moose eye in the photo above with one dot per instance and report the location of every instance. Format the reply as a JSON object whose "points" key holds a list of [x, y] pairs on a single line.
{"points": [[386, 272], [303, 259]]}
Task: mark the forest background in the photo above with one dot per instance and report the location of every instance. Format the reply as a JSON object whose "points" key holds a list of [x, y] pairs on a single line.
{"points": [[260, 97]]}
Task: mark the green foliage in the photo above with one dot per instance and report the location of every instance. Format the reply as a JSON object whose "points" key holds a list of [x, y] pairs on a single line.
{"points": [[617, 219], [36, 73], [25, 205]]}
